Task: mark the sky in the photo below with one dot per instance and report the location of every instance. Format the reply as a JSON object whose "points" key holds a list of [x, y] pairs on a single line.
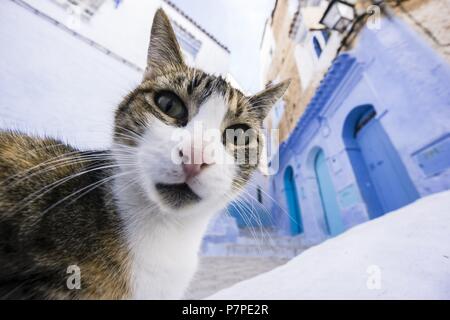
{"points": [[238, 25]]}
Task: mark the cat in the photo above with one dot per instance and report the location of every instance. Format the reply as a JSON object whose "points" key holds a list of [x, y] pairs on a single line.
{"points": [[127, 223]]}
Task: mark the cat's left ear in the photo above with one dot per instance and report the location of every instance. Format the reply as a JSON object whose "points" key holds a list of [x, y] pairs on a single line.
{"points": [[262, 102], [164, 49]]}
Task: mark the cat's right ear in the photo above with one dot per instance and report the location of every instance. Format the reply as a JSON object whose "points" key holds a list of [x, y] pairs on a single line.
{"points": [[163, 49]]}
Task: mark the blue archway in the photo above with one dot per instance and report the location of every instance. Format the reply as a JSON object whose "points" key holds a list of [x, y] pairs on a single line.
{"points": [[292, 201], [328, 195], [381, 176]]}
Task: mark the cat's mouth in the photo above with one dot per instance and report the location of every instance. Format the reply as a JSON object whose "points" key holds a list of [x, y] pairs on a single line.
{"points": [[176, 195]]}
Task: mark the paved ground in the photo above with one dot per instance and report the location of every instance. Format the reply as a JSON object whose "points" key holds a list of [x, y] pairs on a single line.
{"points": [[217, 273]]}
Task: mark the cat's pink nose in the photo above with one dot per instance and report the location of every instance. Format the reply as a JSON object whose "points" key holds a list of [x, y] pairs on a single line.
{"points": [[191, 170], [193, 163]]}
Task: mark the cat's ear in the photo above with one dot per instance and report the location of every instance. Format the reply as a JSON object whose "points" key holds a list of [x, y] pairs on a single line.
{"points": [[262, 102], [163, 49]]}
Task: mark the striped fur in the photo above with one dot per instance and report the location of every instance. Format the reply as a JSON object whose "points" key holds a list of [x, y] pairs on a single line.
{"points": [[97, 210]]}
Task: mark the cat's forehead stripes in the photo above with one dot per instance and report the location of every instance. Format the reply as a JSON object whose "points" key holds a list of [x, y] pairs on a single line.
{"points": [[211, 112], [195, 87], [238, 103], [197, 80]]}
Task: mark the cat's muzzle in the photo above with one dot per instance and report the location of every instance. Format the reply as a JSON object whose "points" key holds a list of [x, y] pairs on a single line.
{"points": [[177, 195]]}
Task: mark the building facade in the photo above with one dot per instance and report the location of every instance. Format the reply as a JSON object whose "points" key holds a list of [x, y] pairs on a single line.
{"points": [[288, 50], [370, 129], [295, 46], [375, 136]]}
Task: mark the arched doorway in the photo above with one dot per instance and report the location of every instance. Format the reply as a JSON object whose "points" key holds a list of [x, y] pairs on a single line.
{"points": [[292, 201], [382, 178], [328, 195]]}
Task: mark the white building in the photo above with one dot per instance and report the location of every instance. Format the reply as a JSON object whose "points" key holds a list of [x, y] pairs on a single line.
{"points": [[315, 46], [65, 65]]}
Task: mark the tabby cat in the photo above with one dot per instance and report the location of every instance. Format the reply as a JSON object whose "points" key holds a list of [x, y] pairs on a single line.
{"points": [[127, 223]]}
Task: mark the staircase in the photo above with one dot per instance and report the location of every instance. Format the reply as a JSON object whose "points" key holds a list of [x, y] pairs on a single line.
{"points": [[260, 244]]}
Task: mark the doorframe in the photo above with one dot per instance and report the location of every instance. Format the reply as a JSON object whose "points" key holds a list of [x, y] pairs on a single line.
{"points": [[327, 214], [293, 204], [364, 180], [358, 163]]}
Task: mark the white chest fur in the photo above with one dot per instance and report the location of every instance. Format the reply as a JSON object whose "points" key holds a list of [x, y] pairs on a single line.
{"points": [[163, 247], [164, 257]]}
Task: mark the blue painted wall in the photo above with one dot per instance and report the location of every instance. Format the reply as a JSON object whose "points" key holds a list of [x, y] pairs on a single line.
{"points": [[381, 117], [250, 209], [328, 196], [293, 205]]}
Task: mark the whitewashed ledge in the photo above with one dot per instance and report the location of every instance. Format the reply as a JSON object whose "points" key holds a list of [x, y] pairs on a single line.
{"points": [[402, 255]]}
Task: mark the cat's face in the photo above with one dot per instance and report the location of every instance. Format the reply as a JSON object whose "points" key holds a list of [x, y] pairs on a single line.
{"points": [[194, 139]]}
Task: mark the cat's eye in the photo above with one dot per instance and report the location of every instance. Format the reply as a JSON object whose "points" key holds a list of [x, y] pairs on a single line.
{"points": [[238, 135], [169, 103]]}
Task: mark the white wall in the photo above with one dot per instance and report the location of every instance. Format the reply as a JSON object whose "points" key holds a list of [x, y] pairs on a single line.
{"points": [[309, 65], [54, 84], [126, 31], [266, 51]]}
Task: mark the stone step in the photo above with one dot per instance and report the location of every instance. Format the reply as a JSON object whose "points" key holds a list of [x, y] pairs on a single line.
{"points": [[263, 250], [270, 240], [252, 250]]}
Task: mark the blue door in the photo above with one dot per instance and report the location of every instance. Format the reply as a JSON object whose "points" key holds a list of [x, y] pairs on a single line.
{"points": [[390, 179], [292, 201], [328, 196]]}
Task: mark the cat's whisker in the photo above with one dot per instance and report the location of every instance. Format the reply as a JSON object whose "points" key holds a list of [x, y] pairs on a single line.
{"points": [[252, 215], [257, 218], [268, 195], [241, 191], [126, 186], [242, 213], [90, 187], [40, 164], [66, 157], [134, 135], [40, 193], [274, 202], [75, 161]]}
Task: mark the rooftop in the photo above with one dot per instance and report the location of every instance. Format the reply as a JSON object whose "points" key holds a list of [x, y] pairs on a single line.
{"points": [[181, 12]]}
